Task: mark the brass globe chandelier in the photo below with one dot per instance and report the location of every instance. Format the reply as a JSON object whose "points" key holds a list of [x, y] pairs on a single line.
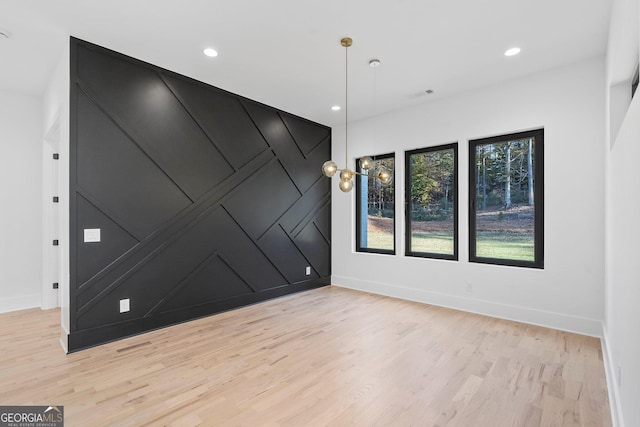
{"points": [[330, 168]]}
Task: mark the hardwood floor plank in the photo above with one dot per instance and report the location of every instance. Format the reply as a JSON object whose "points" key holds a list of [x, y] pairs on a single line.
{"points": [[329, 356]]}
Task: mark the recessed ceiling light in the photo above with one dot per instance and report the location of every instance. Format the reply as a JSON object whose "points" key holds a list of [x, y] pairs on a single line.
{"points": [[513, 51], [210, 52], [336, 108]]}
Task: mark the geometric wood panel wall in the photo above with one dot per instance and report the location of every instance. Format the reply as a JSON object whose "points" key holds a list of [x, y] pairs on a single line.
{"points": [[205, 200]]}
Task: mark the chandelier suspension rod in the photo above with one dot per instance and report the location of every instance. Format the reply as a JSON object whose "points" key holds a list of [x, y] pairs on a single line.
{"points": [[346, 104], [366, 164]]}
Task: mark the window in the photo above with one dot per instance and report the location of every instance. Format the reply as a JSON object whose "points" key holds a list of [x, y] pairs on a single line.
{"points": [[506, 200], [375, 209], [432, 202]]}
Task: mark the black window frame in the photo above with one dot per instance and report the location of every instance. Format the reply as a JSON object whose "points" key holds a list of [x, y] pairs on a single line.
{"points": [[538, 199], [408, 202], [358, 186]]}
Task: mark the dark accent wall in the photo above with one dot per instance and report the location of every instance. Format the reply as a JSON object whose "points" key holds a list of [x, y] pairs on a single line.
{"points": [[205, 200]]}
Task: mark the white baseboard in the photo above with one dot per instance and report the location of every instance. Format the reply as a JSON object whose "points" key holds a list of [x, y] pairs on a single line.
{"points": [[21, 302], [563, 322], [612, 382]]}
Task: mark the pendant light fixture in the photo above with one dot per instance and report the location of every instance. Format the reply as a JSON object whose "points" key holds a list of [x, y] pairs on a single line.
{"points": [[330, 168]]}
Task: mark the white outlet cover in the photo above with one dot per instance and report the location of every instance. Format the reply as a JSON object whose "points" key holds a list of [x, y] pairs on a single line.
{"points": [[308, 271], [124, 305], [91, 235]]}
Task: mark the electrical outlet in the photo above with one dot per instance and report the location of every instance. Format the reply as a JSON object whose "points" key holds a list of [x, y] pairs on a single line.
{"points": [[91, 235], [469, 287], [307, 271], [124, 305]]}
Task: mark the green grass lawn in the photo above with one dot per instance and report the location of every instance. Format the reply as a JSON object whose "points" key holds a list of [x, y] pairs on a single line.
{"points": [[501, 245], [516, 246], [435, 242], [380, 240]]}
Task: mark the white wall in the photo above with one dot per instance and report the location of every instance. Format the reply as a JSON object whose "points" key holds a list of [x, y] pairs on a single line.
{"points": [[20, 206], [568, 294], [622, 314], [55, 108], [623, 278]]}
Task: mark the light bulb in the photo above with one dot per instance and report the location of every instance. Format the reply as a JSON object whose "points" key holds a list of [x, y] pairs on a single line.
{"points": [[366, 163], [346, 174], [345, 185], [384, 176], [329, 168]]}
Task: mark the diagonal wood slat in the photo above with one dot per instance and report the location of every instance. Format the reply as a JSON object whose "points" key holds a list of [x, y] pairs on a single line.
{"points": [[184, 180]]}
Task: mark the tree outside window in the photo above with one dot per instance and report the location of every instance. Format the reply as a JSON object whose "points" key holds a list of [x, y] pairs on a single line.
{"points": [[432, 202], [375, 209], [506, 199]]}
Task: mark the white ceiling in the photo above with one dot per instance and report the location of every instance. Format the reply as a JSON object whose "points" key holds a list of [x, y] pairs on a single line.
{"points": [[287, 53]]}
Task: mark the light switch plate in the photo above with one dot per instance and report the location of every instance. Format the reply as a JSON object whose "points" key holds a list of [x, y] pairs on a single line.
{"points": [[124, 305], [91, 235], [307, 271]]}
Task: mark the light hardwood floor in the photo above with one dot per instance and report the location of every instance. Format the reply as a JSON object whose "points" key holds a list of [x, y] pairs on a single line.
{"points": [[329, 356]]}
